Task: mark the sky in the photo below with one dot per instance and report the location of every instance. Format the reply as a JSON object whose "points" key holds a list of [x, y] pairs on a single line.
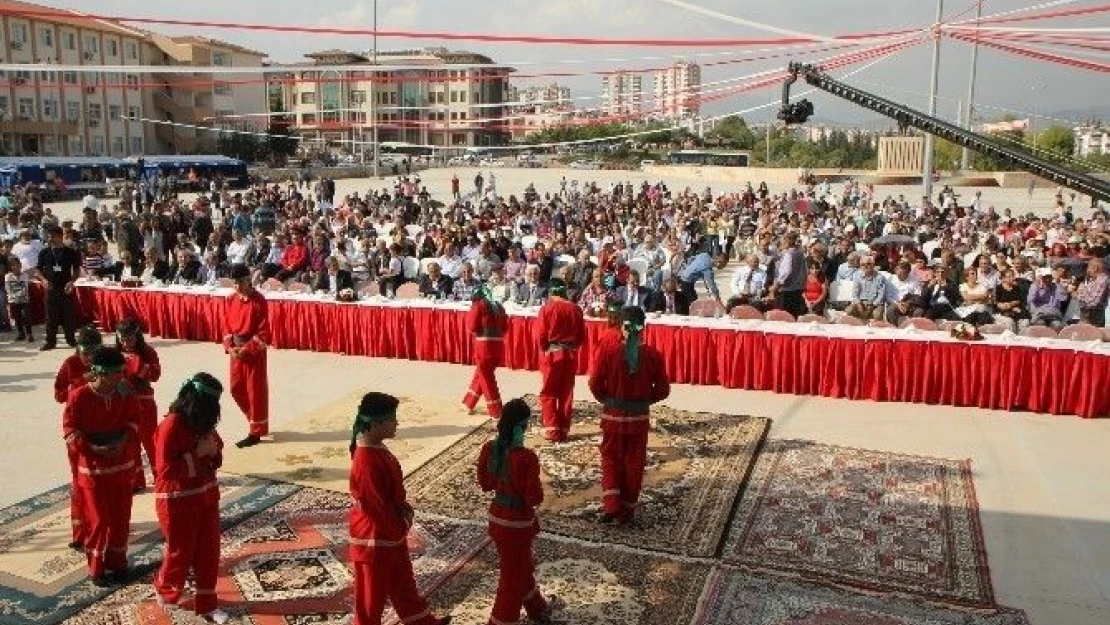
{"points": [[1005, 84]]}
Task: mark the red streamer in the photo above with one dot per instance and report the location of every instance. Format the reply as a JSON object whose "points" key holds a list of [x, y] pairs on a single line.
{"points": [[1099, 8], [1041, 56]]}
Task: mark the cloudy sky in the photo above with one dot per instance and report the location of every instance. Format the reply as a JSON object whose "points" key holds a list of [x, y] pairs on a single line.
{"points": [[1006, 82]]}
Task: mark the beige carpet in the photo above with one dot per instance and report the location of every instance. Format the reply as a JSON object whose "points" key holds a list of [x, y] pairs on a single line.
{"points": [[314, 450]]}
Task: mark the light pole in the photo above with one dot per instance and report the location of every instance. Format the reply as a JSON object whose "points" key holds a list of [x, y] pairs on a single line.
{"points": [[965, 156], [1036, 113], [927, 178], [374, 94]]}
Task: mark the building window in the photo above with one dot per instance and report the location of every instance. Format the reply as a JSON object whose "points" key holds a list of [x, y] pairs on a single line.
{"points": [[308, 97], [117, 146], [133, 113], [70, 40], [224, 113], [133, 54], [454, 97], [22, 77], [358, 117], [49, 145], [308, 119], [113, 112], [3, 105], [46, 77], [46, 36], [454, 115], [98, 146], [76, 146], [26, 108], [73, 111], [50, 109], [113, 50], [95, 113], [221, 59], [393, 97], [132, 81], [136, 145], [221, 88], [19, 36], [358, 97], [69, 78], [92, 45]]}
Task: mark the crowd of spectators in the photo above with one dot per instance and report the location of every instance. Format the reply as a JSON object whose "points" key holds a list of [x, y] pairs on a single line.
{"points": [[819, 249]]}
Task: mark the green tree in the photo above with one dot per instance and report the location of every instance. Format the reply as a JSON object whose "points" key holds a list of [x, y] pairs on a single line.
{"points": [[733, 132], [1057, 139], [241, 145], [280, 144]]}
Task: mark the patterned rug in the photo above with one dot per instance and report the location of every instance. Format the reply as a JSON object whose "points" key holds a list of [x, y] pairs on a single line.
{"points": [[869, 519], [740, 598], [43, 581], [599, 584], [289, 566], [696, 465], [313, 451]]}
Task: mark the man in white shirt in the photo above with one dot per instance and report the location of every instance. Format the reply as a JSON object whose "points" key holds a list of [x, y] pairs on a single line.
{"points": [[655, 258], [27, 251], [903, 295], [749, 281], [239, 250]]}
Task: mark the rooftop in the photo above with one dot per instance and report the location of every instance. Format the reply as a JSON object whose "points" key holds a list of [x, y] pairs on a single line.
{"points": [[68, 17]]}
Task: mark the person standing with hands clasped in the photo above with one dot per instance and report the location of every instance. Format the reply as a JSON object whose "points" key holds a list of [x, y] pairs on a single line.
{"points": [[512, 471], [100, 426], [246, 342], [59, 267], [560, 330], [380, 521], [629, 378], [488, 323], [72, 375], [142, 369], [189, 451]]}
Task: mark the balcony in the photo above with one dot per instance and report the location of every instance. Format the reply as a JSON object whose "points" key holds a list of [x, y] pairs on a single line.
{"points": [[166, 104], [182, 140]]}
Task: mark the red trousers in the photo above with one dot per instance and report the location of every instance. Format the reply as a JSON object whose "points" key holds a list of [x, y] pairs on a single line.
{"points": [[389, 577], [250, 389], [76, 506], [516, 579], [191, 526], [148, 425], [107, 512], [623, 457], [487, 358], [557, 393]]}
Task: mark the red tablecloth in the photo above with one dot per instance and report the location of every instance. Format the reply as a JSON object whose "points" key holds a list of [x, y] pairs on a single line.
{"points": [[1007, 377]]}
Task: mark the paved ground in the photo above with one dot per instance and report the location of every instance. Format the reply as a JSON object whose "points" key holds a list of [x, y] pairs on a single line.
{"points": [[1041, 481]]}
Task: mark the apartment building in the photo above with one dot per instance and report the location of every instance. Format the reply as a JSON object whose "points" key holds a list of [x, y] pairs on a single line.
{"points": [[539, 98], [621, 94], [423, 104], [1091, 139], [677, 91]]}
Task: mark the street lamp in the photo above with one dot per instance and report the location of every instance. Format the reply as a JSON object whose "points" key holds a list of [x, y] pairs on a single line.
{"points": [[1036, 112]]}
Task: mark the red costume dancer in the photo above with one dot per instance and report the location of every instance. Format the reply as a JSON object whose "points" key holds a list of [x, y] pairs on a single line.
{"points": [[380, 521], [611, 335], [512, 471], [629, 378], [142, 369], [247, 339], [189, 451], [71, 376], [561, 330], [101, 426], [488, 323]]}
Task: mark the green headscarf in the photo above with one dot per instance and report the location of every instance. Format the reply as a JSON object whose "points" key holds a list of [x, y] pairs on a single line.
{"points": [[201, 387], [364, 422], [557, 287], [483, 292], [511, 429], [634, 320]]}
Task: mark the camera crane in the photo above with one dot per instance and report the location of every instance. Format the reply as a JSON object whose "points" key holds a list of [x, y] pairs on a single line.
{"points": [[800, 111]]}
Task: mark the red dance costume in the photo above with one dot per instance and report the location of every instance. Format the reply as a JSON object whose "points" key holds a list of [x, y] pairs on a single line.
{"points": [[249, 330], [188, 505], [611, 335], [143, 368], [488, 328], [561, 330], [70, 377], [379, 526], [513, 526], [103, 481], [626, 398]]}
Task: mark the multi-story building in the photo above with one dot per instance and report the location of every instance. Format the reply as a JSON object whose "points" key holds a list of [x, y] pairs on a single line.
{"points": [[196, 105], [539, 98], [677, 91], [84, 113], [423, 104], [1091, 139], [621, 94]]}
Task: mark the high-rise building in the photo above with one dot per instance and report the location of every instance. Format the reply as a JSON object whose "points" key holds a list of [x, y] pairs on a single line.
{"points": [[621, 94], [539, 98], [1091, 139], [433, 106], [677, 91]]}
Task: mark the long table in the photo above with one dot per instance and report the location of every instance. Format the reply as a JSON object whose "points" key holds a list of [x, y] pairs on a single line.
{"points": [[1008, 373]]}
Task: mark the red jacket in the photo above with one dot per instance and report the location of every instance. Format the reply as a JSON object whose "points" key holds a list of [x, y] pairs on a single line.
{"points": [[181, 472], [247, 320], [295, 257], [611, 335], [380, 516], [90, 416], [626, 397], [142, 368], [70, 376], [560, 321], [518, 493], [483, 323]]}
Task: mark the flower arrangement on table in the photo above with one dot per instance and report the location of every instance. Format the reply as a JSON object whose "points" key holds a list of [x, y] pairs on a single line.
{"points": [[346, 295], [966, 332]]}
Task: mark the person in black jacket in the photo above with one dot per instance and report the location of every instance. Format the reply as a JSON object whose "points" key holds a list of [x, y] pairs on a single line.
{"points": [[435, 283], [940, 297], [670, 300], [185, 268], [334, 279]]}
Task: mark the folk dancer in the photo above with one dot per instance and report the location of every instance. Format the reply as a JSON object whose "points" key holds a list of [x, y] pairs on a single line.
{"points": [[142, 369], [72, 375], [560, 330], [247, 340], [380, 521], [488, 323], [629, 378]]}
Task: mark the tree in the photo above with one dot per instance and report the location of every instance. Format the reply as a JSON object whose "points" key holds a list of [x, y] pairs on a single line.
{"points": [[734, 132], [241, 145], [280, 144], [1057, 139]]}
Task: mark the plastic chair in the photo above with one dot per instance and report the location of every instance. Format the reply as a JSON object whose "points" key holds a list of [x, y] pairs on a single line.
{"points": [[411, 267], [880, 323], [369, 289], [779, 315], [1040, 332], [746, 312], [1082, 332], [704, 308], [849, 320], [273, 284], [992, 328], [408, 290], [812, 319], [920, 323]]}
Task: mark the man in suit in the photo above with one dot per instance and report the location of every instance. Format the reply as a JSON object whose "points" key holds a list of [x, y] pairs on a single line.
{"points": [[670, 300], [334, 279], [435, 283], [186, 267], [632, 294], [531, 292], [160, 269]]}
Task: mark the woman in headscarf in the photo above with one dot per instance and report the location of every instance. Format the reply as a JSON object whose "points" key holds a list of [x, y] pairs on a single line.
{"points": [[189, 451], [488, 323], [512, 472], [628, 379], [72, 375], [142, 369], [380, 521]]}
